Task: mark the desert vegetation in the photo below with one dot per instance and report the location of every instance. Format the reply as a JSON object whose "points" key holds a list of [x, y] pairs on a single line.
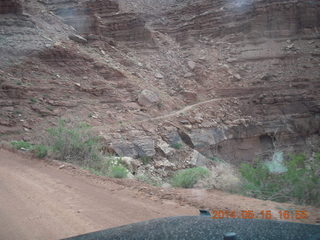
{"points": [[187, 178], [222, 176], [300, 183], [39, 150], [77, 144]]}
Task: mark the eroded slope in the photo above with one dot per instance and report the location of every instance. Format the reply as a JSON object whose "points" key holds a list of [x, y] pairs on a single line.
{"points": [[228, 79]]}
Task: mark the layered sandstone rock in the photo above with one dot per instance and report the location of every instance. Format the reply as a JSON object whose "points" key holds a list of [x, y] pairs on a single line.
{"points": [[10, 7], [103, 19], [255, 18]]}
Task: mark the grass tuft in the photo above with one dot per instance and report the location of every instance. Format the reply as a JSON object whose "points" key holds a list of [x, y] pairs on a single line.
{"points": [[22, 145], [176, 145], [145, 160], [118, 172], [187, 178], [40, 150]]}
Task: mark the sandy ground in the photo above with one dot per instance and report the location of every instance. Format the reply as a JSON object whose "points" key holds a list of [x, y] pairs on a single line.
{"points": [[47, 199], [41, 201]]}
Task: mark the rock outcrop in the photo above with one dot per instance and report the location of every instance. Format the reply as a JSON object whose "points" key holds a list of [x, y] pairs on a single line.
{"points": [[139, 148], [103, 19], [253, 18], [10, 7], [148, 98]]}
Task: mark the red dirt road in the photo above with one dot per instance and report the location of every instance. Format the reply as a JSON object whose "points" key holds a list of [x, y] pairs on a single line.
{"points": [[40, 201]]}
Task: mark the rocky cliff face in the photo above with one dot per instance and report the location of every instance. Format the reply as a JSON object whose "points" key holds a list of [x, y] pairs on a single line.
{"points": [[8, 6], [258, 40], [254, 18], [179, 84], [101, 19]]}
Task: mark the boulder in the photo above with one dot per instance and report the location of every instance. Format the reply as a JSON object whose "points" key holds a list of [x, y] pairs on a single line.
{"points": [[159, 76], [207, 137], [77, 38], [172, 137], [148, 98], [145, 147], [165, 148], [124, 149], [236, 77], [197, 159], [188, 75], [191, 65], [190, 96]]}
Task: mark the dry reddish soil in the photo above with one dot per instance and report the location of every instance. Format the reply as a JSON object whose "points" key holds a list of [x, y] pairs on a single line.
{"points": [[40, 201], [52, 200]]}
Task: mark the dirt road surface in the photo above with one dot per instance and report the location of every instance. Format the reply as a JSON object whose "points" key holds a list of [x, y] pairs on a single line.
{"points": [[41, 201]]}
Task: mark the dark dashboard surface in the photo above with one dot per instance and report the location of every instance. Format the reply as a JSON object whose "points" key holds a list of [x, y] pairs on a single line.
{"points": [[205, 228]]}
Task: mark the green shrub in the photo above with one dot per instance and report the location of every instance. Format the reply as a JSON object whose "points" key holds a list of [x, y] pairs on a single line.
{"points": [[77, 144], [118, 172], [21, 145], [187, 178], [74, 144], [257, 175], [50, 108], [176, 145], [18, 112], [40, 151], [145, 160], [299, 183], [33, 100], [216, 160], [18, 82]]}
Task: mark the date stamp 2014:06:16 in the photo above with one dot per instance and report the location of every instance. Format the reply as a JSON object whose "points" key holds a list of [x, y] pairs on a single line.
{"points": [[264, 214]]}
